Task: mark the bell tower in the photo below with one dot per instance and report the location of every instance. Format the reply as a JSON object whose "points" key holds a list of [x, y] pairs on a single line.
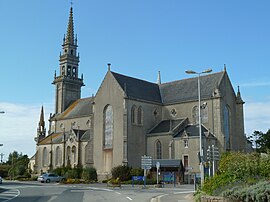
{"points": [[68, 84]]}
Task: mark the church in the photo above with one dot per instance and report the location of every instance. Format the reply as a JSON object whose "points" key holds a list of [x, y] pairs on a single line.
{"points": [[129, 117]]}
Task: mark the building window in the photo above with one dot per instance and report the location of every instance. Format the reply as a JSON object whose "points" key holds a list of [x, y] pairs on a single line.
{"points": [[186, 143], [140, 116], [74, 154], [133, 114], [45, 157], [173, 112], [185, 161], [63, 70], [68, 156], [69, 71], [108, 127], [158, 150], [74, 72]]}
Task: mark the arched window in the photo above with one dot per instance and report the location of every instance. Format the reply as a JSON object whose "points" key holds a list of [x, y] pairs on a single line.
{"points": [[68, 156], [108, 127], [58, 157], [226, 117], [45, 157], [158, 150], [133, 114], [140, 116], [74, 154]]}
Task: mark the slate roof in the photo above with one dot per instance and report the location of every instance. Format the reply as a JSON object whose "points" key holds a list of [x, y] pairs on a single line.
{"points": [[171, 92], [138, 89], [166, 126], [193, 131], [57, 138], [167, 163], [81, 107], [187, 89]]}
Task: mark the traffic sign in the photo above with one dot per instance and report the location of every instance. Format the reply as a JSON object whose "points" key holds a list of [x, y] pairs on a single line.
{"points": [[146, 162]]}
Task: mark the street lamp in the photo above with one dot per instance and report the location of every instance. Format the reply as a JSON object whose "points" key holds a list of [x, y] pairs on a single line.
{"points": [[200, 124], [2, 112]]}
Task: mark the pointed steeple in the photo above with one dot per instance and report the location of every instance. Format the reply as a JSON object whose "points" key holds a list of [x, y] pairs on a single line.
{"points": [[159, 78], [69, 39], [41, 130], [41, 120], [239, 99]]}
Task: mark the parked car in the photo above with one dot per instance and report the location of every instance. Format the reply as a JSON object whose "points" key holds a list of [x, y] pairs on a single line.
{"points": [[50, 177], [1, 180]]}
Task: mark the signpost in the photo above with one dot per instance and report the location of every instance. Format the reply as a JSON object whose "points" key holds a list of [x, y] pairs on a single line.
{"points": [[158, 166], [146, 164], [212, 155]]}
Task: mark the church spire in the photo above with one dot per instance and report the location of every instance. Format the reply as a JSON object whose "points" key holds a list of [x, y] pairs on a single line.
{"points": [[41, 130], [239, 99], [69, 38], [41, 119]]}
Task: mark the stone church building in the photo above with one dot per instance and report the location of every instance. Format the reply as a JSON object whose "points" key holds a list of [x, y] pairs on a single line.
{"points": [[129, 117]]}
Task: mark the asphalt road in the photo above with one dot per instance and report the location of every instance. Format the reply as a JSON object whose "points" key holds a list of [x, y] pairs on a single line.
{"points": [[53, 192]]}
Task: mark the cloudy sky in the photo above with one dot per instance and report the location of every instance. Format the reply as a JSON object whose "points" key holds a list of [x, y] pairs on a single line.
{"points": [[139, 38]]}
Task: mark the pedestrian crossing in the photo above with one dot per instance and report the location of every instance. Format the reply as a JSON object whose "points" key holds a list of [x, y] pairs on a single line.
{"points": [[8, 194]]}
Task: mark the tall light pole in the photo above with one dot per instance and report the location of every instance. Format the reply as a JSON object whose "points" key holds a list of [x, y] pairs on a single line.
{"points": [[2, 112], [200, 123]]}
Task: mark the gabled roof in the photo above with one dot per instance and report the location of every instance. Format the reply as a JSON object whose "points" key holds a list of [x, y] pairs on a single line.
{"points": [[171, 92], [193, 131], [166, 126], [57, 138], [138, 89], [81, 107], [187, 89]]}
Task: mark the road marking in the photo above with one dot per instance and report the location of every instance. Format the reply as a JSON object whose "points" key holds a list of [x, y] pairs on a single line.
{"points": [[9, 194], [52, 198], [80, 190], [117, 192], [183, 192], [129, 198]]}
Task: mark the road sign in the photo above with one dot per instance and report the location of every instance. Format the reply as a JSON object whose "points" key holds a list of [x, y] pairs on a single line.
{"points": [[157, 165], [146, 162]]}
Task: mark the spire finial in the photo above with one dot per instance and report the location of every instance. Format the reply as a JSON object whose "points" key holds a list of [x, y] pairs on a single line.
{"points": [[225, 68], [70, 30], [159, 78], [109, 66]]}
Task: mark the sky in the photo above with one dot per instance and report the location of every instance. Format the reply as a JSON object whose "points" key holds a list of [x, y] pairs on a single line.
{"points": [[139, 38]]}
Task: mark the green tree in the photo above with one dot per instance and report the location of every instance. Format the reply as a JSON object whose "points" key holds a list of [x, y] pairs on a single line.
{"points": [[18, 163], [263, 141]]}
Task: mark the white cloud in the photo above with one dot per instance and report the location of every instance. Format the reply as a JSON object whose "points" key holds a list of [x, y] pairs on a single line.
{"points": [[18, 127], [257, 116]]}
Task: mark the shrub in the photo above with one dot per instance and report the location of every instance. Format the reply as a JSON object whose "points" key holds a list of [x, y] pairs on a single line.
{"points": [[89, 174], [136, 172], [121, 172]]}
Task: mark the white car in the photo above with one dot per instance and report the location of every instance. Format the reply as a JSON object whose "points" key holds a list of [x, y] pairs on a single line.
{"points": [[50, 177]]}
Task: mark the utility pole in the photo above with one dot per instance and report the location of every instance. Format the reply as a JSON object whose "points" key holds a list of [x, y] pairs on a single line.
{"points": [[1, 156]]}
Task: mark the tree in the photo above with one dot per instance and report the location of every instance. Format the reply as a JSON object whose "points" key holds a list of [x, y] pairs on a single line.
{"points": [[263, 141], [18, 163]]}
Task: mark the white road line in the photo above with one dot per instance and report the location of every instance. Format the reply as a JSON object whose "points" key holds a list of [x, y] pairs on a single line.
{"points": [[129, 198], [117, 192], [183, 192]]}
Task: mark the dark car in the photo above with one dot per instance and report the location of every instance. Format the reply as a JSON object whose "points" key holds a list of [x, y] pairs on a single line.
{"points": [[50, 177]]}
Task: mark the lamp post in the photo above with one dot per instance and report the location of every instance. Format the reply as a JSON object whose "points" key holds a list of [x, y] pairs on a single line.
{"points": [[200, 124], [2, 112]]}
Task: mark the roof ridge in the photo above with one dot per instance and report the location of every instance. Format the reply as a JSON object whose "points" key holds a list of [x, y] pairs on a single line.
{"points": [[134, 78], [191, 78]]}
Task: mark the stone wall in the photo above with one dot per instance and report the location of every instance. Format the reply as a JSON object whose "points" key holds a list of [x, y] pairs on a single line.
{"points": [[214, 199]]}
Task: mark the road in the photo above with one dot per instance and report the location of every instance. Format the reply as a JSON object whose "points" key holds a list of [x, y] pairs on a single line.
{"points": [[12, 191]]}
